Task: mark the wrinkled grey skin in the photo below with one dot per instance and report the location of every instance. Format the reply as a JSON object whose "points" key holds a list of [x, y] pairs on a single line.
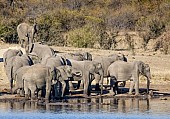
{"points": [[14, 64], [26, 34], [84, 71], [18, 80], [106, 61], [42, 51], [62, 74], [123, 71], [55, 61], [10, 53], [38, 77], [77, 56]]}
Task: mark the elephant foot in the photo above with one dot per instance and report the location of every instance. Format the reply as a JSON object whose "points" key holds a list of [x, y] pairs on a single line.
{"points": [[17, 95], [111, 93], [137, 94], [26, 96], [47, 101], [86, 96]]}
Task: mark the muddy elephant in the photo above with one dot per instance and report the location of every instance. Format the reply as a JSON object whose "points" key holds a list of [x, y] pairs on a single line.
{"points": [[42, 51], [10, 53], [26, 33], [123, 71], [84, 71], [14, 64]]}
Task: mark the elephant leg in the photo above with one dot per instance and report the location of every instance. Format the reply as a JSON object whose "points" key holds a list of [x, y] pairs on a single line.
{"points": [[71, 87], [63, 88], [21, 92], [137, 87], [33, 90], [26, 91], [132, 83], [78, 85], [86, 87], [113, 85], [81, 84], [39, 92], [97, 78]]}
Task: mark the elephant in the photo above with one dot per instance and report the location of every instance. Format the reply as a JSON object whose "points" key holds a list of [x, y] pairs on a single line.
{"points": [[84, 71], [123, 71], [26, 33], [14, 64], [62, 73], [10, 53], [42, 51], [77, 56], [39, 77], [55, 61], [106, 61]]}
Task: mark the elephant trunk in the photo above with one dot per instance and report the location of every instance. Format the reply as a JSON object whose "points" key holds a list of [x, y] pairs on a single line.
{"points": [[101, 79], [148, 84]]}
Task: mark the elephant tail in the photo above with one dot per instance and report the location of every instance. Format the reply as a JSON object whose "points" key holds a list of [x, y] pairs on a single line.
{"points": [[108, 73]]}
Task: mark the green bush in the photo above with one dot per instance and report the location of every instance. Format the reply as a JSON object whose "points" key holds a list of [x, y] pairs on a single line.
{"points": [[83, 37]]}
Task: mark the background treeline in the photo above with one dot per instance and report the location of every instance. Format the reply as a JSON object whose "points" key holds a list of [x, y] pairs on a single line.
{"points": [[82, 23]]}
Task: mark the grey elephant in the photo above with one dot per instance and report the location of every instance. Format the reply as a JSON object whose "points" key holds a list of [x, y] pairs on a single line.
{"points": [[14, 64], [62, 74], [77, 56], [123, 71], [84, 71], [106, 61], [55, 61], [43, 77], [36, 78], [42, 51], [26, 34], [10, 53]]}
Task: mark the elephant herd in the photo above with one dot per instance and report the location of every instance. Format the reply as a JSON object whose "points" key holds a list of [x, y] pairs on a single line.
{"points": [[43, 72]]}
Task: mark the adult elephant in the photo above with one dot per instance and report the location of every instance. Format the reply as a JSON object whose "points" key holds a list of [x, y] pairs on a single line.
{"points": [[106, 61], [42, 51], [84, 71], [26, 34], [43, 77], [60, 73], [10, 53], [77, 56], [14, 64], [123, 71]]}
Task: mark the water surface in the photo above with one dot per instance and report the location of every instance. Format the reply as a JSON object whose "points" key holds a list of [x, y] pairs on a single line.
{"points": [[100, 108]]}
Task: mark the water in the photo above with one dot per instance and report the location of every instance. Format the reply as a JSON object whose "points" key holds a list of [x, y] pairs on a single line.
{"points": [[98, 108]]}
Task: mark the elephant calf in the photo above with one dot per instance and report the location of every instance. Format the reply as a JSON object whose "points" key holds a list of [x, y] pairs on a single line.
{"points": [[123, 71]]}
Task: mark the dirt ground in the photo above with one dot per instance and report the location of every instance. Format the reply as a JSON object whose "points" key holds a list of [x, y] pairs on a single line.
{"points": [[159, 64]]}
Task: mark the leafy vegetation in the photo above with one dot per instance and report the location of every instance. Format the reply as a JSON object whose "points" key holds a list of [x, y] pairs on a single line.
{"points": [[85, 22]]}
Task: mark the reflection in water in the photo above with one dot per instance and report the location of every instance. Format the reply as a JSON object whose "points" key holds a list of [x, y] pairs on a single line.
{"points": [[93, 105]]}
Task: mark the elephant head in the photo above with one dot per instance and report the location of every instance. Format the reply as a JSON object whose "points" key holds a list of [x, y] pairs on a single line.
{"points": [[144, 70], [95, 69]]}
